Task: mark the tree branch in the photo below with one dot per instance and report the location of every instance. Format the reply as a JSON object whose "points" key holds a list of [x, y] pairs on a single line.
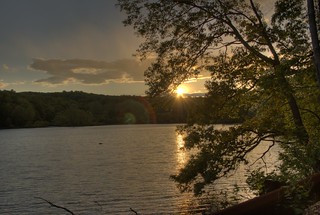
{"points": [[56, 206], [312, 112], [264, 154], [235, 31], [264, 33], [134, 211]]}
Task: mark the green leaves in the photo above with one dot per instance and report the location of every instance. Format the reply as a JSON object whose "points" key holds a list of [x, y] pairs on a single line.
{"points": [[261, 77]]}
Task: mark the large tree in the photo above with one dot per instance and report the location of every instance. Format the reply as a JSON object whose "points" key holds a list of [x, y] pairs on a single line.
{"points": [[312, 17], [261, 72]]}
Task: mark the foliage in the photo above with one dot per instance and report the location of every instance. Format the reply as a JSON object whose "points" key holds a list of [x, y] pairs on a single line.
{"points": [[220, 199], [82, 109], [261, 74]]}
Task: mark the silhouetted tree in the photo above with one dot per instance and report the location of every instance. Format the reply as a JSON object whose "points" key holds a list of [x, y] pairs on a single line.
{"points": [[314, 35], [261, 72]]}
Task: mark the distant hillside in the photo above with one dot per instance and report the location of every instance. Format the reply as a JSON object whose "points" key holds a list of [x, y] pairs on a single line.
{"points": [[31, 109]]}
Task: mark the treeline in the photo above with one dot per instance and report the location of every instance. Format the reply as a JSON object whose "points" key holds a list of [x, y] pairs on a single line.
{"points": [[31, 109]]}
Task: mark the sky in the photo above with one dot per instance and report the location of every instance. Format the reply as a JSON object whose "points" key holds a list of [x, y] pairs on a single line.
{"points": [[71, 45]]}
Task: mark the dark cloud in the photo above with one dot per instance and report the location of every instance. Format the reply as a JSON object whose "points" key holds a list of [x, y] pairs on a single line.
{"points": [[46, 17], [63, 29], [90, 71]]}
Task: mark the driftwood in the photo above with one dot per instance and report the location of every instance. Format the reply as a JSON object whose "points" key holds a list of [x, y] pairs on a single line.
{"points": [[134, 211], [270, 203], [56, 206], [69, 211]]}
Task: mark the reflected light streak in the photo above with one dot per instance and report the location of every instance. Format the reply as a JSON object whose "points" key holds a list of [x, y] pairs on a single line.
{"points": [[187, 203], [181, 153]]}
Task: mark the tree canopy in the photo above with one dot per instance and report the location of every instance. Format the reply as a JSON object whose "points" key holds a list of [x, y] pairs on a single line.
{"points": [[30, 109], [261, 69]]}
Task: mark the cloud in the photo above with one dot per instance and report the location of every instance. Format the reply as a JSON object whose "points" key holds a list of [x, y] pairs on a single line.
{"points": [[5, 67], [200, 77], [3, 84], [90, 71]]}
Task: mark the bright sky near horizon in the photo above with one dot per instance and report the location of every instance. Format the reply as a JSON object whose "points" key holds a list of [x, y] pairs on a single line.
{"points": [[79, 45], [56, 45]]}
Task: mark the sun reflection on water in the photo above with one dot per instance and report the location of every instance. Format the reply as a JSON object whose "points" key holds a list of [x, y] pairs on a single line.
{"points": [[181, 153], [186, 202]]}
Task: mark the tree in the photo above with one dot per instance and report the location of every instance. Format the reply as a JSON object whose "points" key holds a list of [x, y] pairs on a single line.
{"points": [[314, 36], [131, 111], [261, 72], [73, 116]]}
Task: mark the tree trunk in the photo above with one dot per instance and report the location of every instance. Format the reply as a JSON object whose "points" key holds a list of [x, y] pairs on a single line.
{"points": [[301, 131], [314, 37]]}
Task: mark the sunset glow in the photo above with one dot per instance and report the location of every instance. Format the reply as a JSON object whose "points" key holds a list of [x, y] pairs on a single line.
{"points": [[56, 56], [181, 91]]}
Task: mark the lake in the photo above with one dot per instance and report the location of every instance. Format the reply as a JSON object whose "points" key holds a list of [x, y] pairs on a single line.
{"points": [[93, 170]]}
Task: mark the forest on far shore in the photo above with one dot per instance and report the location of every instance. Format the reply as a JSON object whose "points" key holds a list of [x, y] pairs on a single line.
{"points": [[76, 108]]}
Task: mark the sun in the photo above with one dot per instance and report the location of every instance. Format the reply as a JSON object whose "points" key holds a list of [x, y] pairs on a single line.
{"points": [[181, 90]]}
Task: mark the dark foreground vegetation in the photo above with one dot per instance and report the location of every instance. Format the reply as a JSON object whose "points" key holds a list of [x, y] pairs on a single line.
{"points": [[264, 64], [31, 109]]}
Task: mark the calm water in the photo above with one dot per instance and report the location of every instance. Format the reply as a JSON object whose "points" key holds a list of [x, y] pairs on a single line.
{"points": [[93, 170]]}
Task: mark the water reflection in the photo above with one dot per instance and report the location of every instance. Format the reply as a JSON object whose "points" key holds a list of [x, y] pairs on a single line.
{"points": [[181, 152], [188, 204]]}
